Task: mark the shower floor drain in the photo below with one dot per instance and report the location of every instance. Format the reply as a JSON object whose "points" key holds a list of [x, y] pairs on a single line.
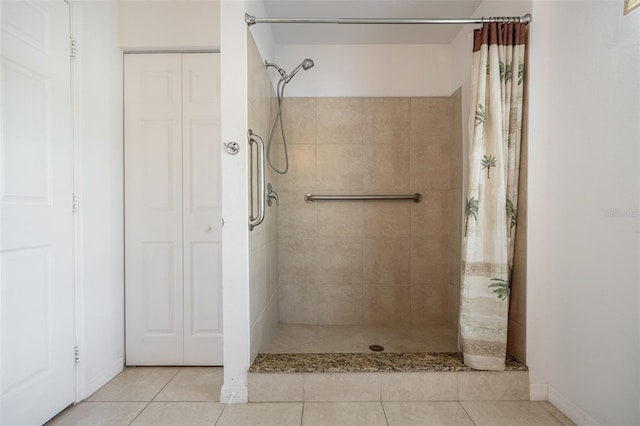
{"points": [[376, 348]]}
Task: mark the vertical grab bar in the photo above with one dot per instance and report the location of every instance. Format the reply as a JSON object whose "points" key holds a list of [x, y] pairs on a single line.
{"points": [[257, 140]]}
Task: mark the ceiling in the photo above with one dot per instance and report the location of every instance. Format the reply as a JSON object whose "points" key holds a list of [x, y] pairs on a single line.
{"points": [[367, 34]]}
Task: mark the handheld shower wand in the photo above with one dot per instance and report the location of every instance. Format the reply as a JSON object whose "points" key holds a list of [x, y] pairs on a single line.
{"points": [[305, 65], [284, 79]]}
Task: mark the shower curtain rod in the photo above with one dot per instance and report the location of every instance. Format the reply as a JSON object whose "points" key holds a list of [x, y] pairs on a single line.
{"points": [[252, 20]]}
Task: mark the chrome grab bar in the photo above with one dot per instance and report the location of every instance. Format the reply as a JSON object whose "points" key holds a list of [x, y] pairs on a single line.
{"points": [[257, 140], [416, 197]]}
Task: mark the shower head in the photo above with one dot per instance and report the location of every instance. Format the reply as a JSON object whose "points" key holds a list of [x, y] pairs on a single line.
{"points": [[305, 65]]}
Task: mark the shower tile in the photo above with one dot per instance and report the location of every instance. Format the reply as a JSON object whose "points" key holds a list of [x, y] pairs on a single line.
{"points": [[339, 120], [302, 168], [272, 268], [259, 235], [429, 304], [340, 167], [457, 157], [516, 341], [387, 261], [386, 121], [258, 119], [430, 120], [299, 118], [265, 328], [296, 261], [296, 218], [275, 387], [455, 197], [517, 299], [426, 413], [257, 337], [387, 219], [431, 217], [257, 283], [430, 167], [429, 260], [419, 386], [493, 385], [341, 387], [339, 261], [387, 168], [454, 304], [340, 219], [340, 305], [298, 304], [455, 267], [387, 305]]}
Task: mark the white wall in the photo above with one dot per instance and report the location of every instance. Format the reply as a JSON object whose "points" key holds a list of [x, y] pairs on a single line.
{"points": [[100, 245], [262, 34], [368, 70], [177, 24], [584, 185], [235, 206]]}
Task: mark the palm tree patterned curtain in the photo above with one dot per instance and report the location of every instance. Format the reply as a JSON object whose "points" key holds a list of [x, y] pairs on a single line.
{"points": [[492, 197]]}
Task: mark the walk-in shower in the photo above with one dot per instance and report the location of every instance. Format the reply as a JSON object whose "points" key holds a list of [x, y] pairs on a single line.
{"points": [[284, 80]]}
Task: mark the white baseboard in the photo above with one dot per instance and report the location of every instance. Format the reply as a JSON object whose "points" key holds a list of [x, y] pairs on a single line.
{"points": [[234, 394], [577, 415], [96, 382], [539, 391]]}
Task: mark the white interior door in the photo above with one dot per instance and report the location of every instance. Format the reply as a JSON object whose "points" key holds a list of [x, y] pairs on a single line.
{"points": [[38, 373], [153, 209], [172, 210], [201, 209]]}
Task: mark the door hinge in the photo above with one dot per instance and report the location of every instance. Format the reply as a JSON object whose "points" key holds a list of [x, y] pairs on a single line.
{"points": [[76, 355], [73, 50], [74, 202]]}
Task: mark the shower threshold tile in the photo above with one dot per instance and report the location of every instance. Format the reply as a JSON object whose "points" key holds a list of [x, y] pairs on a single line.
{"points": [[366, 362]]}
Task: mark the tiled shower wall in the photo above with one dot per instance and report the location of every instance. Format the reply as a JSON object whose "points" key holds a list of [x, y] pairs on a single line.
{"points": [[264, 309], [516, 340], [456, 162], [372, 263]]}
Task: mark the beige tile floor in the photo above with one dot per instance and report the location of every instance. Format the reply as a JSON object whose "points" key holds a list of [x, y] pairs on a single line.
{"points": [[333, 338], [175, 396]]}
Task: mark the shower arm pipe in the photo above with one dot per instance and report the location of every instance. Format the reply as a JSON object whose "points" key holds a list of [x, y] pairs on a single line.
{"points": [[416, 197], [252, 20]]}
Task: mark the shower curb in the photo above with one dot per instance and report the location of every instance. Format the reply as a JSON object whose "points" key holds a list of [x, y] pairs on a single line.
{"points": [[372, 377]]}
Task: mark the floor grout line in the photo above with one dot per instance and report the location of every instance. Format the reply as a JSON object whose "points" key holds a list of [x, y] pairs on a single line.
{"points": [[386, 419], [549, 411], [467, 413], [154, 397]]}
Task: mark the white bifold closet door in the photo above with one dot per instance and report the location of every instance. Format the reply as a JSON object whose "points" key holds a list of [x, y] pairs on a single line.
{"points": [[172, 209], [38, 315]]}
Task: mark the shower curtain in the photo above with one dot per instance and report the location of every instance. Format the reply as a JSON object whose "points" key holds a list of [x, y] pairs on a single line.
{"points": [[492, 196]]}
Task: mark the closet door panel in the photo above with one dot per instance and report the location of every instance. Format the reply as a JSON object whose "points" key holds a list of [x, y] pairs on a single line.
{"points": [[153, 209], [201, 210]]}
